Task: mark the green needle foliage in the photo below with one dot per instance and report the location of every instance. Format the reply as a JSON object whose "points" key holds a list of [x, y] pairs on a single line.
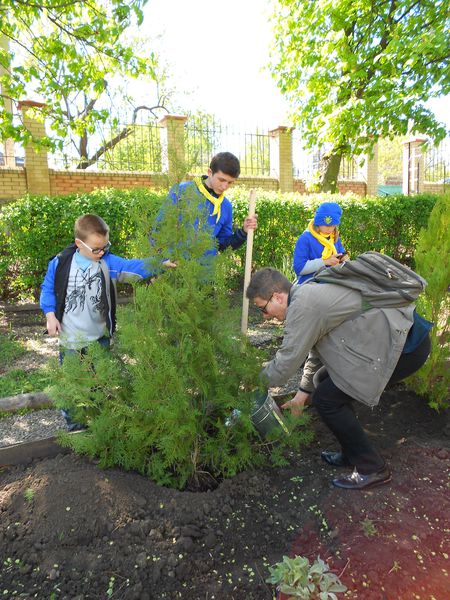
{"points": [[159, 402], [433, 262]]}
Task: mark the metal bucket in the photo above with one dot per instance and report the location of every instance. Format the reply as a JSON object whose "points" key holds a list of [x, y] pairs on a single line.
{"points": [[267, 417]]}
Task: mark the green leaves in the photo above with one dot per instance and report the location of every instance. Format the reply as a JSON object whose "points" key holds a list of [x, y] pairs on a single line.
{"points": [[300, 580], [355, 71], [433, 263], [60, 51]]}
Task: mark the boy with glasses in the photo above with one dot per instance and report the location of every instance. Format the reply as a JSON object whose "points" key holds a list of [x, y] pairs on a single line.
{"points": [[78, 294]]}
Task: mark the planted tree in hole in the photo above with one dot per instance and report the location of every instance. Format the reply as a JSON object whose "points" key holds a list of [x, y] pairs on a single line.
{"points": [[160, 402]]}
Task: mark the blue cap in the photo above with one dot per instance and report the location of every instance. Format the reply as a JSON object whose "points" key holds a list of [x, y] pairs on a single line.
{"points": [[328, 213]]}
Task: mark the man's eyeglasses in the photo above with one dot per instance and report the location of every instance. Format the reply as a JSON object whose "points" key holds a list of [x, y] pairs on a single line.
{"points": [[263, 309], [105, 248]]}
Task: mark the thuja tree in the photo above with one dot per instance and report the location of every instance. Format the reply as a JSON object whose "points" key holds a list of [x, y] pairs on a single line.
{"points": [[163, 401], [432, 262]]}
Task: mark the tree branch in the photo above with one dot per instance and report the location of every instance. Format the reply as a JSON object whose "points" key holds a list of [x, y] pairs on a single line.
{"points": [[126, 131]]}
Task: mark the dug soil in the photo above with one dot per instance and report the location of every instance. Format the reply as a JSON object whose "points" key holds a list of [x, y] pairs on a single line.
{"points": [[72, 531]]}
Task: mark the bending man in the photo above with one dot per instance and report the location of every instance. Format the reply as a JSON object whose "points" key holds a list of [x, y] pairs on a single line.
{"points": [[362, 352]]}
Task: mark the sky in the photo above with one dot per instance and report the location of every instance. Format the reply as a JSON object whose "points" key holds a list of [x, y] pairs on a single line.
{"points": [[217, 54]]}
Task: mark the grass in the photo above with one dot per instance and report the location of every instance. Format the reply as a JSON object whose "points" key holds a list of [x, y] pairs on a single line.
{"points": [[10, 349], [18, 381]]}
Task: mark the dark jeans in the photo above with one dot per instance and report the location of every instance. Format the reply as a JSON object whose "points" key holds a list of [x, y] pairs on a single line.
{"points": [[336, 410], [103, 341]]}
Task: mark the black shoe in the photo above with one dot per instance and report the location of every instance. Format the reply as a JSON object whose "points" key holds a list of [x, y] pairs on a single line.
{"points": [[335, 459], [71, 425], [356, 481]]}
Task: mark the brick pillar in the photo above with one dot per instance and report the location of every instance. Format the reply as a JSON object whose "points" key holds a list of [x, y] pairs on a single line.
{"points": [[36, 163], [281, 163], [8, 144], [173, 147], [413, 166], [370, 172]]}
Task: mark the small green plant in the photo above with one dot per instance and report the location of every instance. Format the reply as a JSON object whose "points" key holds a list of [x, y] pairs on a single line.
{"points": [[299, 579], [110, 590], [395, 567], [29, 494], [369, 528]]}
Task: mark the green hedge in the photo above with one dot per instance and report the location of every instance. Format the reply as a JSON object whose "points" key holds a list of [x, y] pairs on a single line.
{"points": [[390, 225], [34, 229]]}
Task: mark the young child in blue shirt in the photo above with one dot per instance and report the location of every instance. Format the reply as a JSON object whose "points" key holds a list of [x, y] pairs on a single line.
{"points": [[78, 294], [320, 243]]}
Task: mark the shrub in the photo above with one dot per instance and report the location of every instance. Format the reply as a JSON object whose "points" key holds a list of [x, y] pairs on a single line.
{"points": [[36, 228], [160, 402], [432, 260]]}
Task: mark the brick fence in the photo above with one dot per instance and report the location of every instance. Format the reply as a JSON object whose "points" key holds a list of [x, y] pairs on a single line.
{"points": [[37, 178]]}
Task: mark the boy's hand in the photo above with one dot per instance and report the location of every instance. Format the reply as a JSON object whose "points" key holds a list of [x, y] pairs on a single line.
{"points": [[53, 325], [168, 264], [250, 223]]}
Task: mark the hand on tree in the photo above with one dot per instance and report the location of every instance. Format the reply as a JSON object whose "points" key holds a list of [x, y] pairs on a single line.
{"points": [[168, 264]]}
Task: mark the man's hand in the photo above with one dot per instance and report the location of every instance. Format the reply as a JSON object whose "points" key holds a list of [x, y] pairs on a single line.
{"points": [[250, 223], [297, 404], [168, 264], [53, 325]]}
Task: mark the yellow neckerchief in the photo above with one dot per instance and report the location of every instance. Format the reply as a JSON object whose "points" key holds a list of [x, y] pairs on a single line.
{"points": [[216, 202], [329, 248]]}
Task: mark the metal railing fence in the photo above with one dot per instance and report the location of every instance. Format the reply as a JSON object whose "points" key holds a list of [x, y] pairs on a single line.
{"points": [[205, 136], [437, 163]]}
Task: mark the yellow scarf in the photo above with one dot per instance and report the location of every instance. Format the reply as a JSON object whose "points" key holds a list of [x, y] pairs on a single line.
{"points": [[216, 202], [329, 248]]}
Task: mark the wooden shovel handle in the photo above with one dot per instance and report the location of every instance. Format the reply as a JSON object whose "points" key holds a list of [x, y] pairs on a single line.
{"points": [[248, 262]]}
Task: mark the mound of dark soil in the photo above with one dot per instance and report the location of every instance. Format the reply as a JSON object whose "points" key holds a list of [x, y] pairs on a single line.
{"points": [[72, 531]]}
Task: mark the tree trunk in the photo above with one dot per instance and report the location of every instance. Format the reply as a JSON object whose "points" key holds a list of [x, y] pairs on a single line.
{"points": [[329, 171]]}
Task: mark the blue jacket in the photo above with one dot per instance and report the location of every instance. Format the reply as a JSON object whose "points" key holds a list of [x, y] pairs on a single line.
{"points": [[54, 286], [308, 248], [222, 229]]}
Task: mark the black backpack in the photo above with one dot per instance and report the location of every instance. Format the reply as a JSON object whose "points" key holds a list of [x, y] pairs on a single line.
{"points": [[382, 281]]}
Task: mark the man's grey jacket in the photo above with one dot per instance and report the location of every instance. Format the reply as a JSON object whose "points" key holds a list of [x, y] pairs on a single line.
{"points": [[360, 349]]}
